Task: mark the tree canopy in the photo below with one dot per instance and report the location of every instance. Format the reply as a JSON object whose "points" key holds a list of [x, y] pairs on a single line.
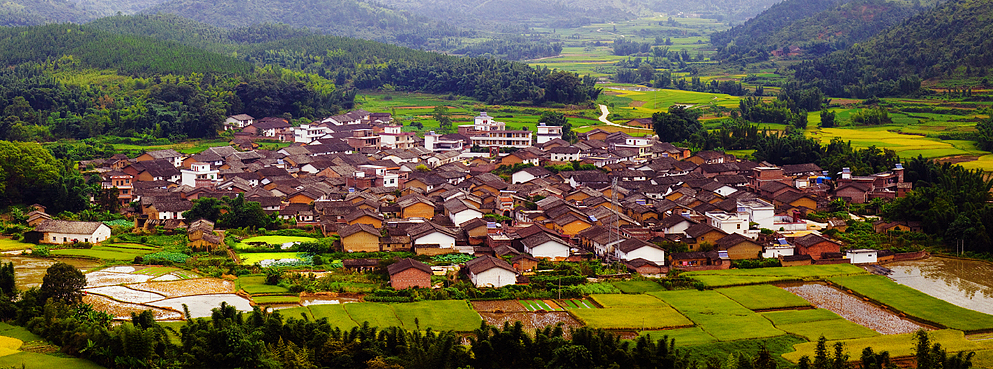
{"points": [[64, 283]]}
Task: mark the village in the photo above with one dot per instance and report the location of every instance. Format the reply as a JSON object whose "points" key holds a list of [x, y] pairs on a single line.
{"points": [[612, 197]]}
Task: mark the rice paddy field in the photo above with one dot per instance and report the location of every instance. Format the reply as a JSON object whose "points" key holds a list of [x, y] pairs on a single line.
{"points": [[632, 312], [277, 241], [456, 315], [250, 258], [897, 345], [916, 303], [637, 286], [763, 297], [7, 244], [738, 277], [719, 316], [108, 251]]}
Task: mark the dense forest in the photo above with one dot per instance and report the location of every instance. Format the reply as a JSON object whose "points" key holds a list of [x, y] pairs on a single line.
{"points": [[506, 15], [816, 27], [950, 41]]}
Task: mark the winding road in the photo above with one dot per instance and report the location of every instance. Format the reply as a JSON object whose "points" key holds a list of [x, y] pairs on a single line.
{"points": [[603, 118]]}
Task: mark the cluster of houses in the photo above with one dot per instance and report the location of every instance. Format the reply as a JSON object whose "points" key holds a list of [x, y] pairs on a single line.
{"points": [[358, 176]]}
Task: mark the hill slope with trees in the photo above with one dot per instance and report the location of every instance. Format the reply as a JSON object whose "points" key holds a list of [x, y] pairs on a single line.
{"points": [[951, 41]]}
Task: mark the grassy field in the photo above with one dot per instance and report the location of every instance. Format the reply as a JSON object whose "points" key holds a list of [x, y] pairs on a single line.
{"points": [[763, 297], [276, 299], [272, 240], [255, 284], [736, 277], [916, 303], [7, 244], [455, 315], [897, 344], [250, 258], [108, 251], [638, 286], [36, 360], [301, 311], [718, 315], [683, 336]]}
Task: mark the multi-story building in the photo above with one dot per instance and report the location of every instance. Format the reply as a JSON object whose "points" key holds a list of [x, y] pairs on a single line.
{"points": [[548, 133], [199, 175], [307, 133], [486, 132], [393, 137], [435, 142]]}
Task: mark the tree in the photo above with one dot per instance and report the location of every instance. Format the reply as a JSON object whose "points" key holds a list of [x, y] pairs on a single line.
{"points": [[679, 124], [63, 282], [444, 118], [7, 279], [827, 118], [243, 213], [208, 208], [984, 134]]}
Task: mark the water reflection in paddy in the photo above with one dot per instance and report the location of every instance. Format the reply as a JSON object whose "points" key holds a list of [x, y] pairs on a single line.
{"points": [[30, 271], [966, 283]]}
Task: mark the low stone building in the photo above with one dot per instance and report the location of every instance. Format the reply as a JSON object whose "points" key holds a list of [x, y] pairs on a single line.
{"points": [[65, 231], [409, 273]]}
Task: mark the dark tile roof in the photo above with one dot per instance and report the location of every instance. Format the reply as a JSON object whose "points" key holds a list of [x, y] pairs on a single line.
{"points": [[408, 263]]}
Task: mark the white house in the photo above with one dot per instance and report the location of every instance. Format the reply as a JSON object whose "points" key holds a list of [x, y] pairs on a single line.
{"points": [[199, 173], [547, 133], [758, 211], [307, 133], [544, 245], [529, 174], [428, 233], [862, 256], [781, 248], [634, 248], [65, 231], [488, 271], [569, 153], [461, 211], [238, 121], [729, 223]]}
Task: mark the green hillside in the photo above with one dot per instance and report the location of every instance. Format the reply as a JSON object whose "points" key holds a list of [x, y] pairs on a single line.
{"points": [[817, 27], [36, 12], [349, 18], [949, 42]]}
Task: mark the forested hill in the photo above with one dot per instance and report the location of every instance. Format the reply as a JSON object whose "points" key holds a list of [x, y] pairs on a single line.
{"points": [[952, 40], [127, 54], [520, 14], [349, 18], [35, 12], [816, 27]]}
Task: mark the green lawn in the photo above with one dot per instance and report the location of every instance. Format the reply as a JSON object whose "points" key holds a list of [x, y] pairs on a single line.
{"points": [[787, 317], [378, 315], [683, 336], [835, 329], [617, 301], [638, 318], [718, 315], [272, 240], [763, 297], [443, 315], [18, 332], [897, 344], [637, 286], [107, 252], [916, 303], [335, 314], [255, 284]]}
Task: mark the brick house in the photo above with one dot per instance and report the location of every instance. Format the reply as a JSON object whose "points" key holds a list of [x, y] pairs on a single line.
{"points": [[816, 245], [409, 273]]}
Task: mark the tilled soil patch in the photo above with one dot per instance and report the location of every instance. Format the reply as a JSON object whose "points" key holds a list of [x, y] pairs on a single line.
{"points": [[854, 309]]}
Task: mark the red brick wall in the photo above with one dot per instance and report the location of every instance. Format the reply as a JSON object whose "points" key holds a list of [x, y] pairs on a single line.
{"points": [[815, 251], [410, 278]]}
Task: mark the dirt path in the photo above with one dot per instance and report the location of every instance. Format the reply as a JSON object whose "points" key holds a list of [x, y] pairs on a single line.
{"points": [[603, 118]]}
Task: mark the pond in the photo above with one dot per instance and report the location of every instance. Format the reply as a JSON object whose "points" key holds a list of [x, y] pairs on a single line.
{"points": [[966, 283]]}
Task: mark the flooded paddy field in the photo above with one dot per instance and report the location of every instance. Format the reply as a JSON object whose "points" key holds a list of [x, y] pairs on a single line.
{"points": [[966, 283], [854, 309]]}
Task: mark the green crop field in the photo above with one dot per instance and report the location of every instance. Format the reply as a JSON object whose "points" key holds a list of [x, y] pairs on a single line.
{"points": [[106, 252], [897, 344], [787, 317], [378, 315], [638, 318], [272, 240], [763, 297], [683, 336], [36, 360], [277, 299], [737, 277], [336, 315], [254, 284], [255, 257], [453, 315], [617, 301], [638, 286], [916, 303], [295, 312], [835, 329], [718, 315], [7, 244], [535, 305]]}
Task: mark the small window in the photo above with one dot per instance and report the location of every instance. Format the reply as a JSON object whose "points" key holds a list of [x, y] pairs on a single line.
{"points": [[739, 225]]}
